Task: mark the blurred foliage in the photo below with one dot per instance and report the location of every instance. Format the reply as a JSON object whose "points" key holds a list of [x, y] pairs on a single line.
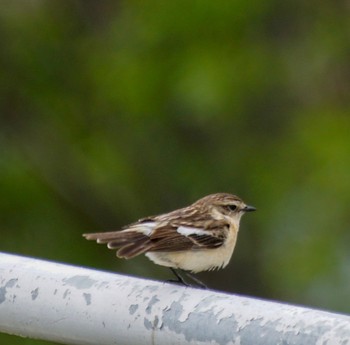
{"points": [[114, 110]]}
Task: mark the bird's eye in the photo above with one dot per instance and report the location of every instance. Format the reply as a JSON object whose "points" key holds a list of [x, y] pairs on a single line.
{"points": [[231, 207]]}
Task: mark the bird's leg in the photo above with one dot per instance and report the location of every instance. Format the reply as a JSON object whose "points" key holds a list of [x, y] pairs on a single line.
{"points": [[195, 279], [181, 280], [178, 276]]}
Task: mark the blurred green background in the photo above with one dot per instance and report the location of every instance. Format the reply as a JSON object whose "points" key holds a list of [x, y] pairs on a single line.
{"points": [[114, 110]]}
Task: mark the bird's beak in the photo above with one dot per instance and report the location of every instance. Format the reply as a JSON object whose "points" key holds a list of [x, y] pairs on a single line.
{"points": [[249, 209]]}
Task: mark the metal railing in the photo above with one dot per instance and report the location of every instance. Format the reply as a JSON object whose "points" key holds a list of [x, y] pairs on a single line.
{"points": [[75, 305]]}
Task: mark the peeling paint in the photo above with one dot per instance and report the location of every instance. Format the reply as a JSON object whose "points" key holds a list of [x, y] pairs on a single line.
{"points": [[102, 285], [153, 301], [156, 321], [133, 308], [148, 324], [140, 311], [34, 293], [199, 325], [11, 283], [80, 282], [2, 294], [66, 293], [274, 334], [203, 323], [87, 297], [150, 288]]}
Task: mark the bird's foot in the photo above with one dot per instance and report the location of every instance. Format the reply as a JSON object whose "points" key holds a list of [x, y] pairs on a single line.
{"points": [[180, 279]]}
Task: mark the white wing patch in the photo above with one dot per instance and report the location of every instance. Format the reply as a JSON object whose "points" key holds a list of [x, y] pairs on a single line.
{"points": [[144, 228], [187, 231]]}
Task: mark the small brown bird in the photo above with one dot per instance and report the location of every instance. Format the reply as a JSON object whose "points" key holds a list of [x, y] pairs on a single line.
{"points": [[196, 238]]}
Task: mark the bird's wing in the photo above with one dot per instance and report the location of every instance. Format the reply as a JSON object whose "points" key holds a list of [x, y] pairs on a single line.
{"points": [[181, 237]]}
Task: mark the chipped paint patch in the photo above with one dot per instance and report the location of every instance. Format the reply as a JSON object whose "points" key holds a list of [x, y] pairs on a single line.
{"points": [[102, 285], [133, 308], [66, 293], [274, 333], [2, 294], [87, 297], [11, 283], [153, 301], [221, 334], [34, 293], [80, 282], [148, 324], [151, 325]]}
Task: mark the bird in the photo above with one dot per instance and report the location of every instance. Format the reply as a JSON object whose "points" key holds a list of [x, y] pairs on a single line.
{"points": [[192, 239]]}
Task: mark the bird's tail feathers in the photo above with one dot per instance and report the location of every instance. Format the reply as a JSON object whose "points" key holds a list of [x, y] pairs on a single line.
{"points": [[130, 243]]}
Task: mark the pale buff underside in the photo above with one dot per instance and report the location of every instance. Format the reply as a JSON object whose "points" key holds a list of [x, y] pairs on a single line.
{"points": [[197, 260]]}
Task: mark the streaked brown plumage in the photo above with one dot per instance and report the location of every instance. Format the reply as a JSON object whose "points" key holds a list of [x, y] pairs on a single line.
{"points": [[196, 238]]}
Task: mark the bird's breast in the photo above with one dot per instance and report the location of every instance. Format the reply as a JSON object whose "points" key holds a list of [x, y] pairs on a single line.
{"points": [[197, 260]]}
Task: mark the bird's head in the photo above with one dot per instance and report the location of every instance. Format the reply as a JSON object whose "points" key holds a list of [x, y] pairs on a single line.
{"points": [[225, 206]]}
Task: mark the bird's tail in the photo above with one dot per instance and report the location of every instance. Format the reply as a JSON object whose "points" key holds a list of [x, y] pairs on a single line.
{"points": [[129, 243]]}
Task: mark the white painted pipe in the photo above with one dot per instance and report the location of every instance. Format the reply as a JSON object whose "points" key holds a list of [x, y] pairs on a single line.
{"points": [[74, 305]]}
